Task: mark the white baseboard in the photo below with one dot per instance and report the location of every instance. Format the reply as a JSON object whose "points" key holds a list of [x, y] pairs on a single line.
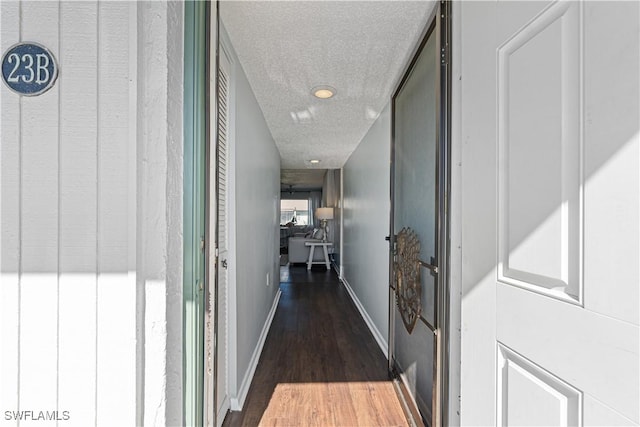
{"points": [[382, 342], [238, 402], [336, 268]]}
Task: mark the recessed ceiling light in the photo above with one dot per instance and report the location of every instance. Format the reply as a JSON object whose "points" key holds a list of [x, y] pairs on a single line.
{"points": [[323, 92], [314, 161]]}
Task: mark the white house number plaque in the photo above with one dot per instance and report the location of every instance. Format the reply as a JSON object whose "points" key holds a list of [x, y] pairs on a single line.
{"points": [[29, 69]]}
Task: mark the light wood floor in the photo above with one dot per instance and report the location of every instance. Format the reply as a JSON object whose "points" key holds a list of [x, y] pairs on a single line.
{"points": [[320, 365]]}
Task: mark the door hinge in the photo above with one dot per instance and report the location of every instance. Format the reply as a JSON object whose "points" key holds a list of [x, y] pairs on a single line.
{"points": [[202, 244]]}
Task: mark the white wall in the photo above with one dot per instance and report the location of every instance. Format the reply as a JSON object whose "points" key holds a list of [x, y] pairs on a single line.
{"points": [[366, 223], [91, 183], [257, 235], [160, 44]]}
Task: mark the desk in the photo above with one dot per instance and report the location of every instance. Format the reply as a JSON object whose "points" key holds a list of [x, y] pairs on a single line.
{"points": [[312, 248]]}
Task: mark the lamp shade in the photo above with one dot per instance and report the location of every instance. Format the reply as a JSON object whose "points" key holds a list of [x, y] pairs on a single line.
{"points": [[324, 213]]}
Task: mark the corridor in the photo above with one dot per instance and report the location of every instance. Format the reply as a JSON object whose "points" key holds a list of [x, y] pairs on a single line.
{"points": [[320, 365]]}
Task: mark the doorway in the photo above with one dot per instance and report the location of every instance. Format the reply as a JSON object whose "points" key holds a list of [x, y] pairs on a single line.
{"points": [[262, 281]]}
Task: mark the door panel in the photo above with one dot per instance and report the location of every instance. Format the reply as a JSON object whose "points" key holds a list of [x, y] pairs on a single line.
{"points": [[530, 396], [550, 196], [539, 165], [578, 343]]}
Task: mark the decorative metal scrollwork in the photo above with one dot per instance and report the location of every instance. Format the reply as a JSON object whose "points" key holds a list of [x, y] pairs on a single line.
{"points": [[406, 267]]}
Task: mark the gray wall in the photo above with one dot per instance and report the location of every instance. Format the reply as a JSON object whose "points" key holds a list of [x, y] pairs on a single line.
{"points": [[257, 200], [366, 222]]}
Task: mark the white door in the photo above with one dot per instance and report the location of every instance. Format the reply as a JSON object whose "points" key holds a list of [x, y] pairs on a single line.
{"points": [[223, 140], [217, 326], [550, 213]]}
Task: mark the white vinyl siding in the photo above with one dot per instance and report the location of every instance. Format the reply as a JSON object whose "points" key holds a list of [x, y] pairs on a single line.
{"points": [[89, 182]]}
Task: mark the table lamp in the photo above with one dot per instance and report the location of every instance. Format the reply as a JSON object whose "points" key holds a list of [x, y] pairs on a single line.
{"points": [[324, 214]]}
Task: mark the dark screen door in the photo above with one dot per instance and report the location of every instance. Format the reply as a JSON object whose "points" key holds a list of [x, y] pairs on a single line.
{"points": [[416, 223]]}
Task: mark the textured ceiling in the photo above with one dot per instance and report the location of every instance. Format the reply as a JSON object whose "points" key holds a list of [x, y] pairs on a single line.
{"points": [[287, 48], [301, 179]]}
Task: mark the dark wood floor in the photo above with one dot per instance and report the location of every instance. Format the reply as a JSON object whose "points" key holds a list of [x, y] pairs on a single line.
{"points": [[320, 365]]}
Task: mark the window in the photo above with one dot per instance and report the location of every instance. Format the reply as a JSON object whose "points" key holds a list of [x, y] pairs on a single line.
{"points": [[294, 209]]}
